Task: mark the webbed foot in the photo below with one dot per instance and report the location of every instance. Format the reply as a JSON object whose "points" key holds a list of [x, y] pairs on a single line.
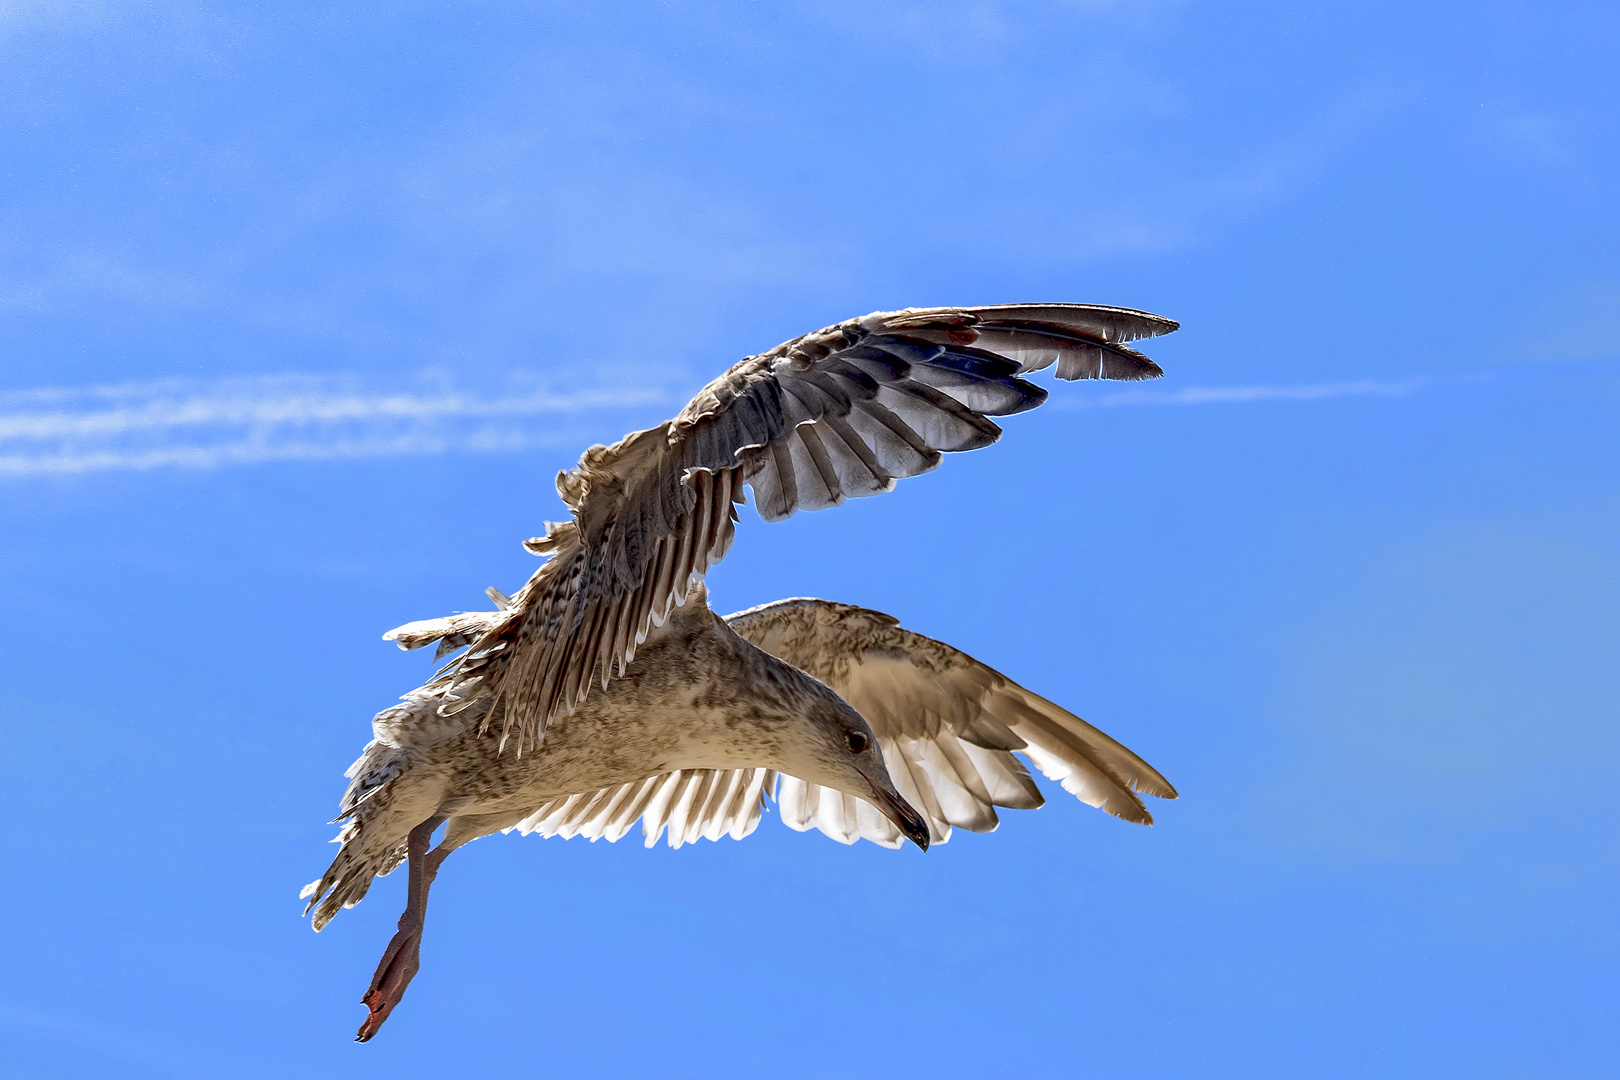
{"points": [[399, 965]]}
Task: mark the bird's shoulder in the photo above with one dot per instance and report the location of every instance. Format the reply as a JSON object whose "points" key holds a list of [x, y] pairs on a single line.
{"points": [[827, 638]]}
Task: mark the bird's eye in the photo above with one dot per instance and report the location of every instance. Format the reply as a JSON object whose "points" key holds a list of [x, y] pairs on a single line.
{"points": [[855, 740]]}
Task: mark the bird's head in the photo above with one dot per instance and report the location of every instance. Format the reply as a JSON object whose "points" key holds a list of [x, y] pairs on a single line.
{"points": [[837, 749]]}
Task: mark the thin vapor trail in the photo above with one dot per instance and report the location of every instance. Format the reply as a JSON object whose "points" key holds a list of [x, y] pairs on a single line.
{"points": [[1226, 395], [181, 424], [202, 424]]}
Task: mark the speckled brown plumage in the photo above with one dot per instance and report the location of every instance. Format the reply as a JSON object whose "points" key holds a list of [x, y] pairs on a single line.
{"points": [[606, 692]]}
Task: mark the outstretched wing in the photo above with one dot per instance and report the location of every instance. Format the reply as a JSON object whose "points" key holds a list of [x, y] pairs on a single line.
{"points": [[949, 727], [842, 412]]}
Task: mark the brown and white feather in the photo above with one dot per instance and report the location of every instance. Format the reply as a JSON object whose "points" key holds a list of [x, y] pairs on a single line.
{"points": [[948, 724], [950, 729], [839, 413], [694, 734]]}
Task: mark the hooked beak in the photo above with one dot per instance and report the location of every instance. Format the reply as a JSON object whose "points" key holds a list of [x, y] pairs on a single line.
{"points": [[906, 819]]}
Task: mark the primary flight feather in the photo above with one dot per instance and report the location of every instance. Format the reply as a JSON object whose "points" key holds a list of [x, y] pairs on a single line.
{"points": [[605, 692]]}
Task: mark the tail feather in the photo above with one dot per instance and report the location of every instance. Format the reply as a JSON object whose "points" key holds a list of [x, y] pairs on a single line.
{"points": [[379, 818], [347, 880]]}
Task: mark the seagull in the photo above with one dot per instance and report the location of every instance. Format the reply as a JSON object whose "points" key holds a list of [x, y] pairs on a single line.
{"points": [[606, 692]]}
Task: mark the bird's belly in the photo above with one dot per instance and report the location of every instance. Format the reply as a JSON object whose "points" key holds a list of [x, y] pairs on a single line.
{"points": [[677, 706], [612, 739]]}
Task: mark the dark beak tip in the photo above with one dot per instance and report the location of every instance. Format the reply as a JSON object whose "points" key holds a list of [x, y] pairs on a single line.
{"points": [[917, 832], [912, 825]]}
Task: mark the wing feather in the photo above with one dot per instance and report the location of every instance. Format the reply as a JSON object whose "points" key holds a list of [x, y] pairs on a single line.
{"points": [[814, 463], [948, 726], [839, 413], [871, 478], [682, 807]]}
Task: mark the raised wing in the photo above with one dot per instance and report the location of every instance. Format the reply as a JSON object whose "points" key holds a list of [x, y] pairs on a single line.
{"points": [[949, 727], [842, 412]]}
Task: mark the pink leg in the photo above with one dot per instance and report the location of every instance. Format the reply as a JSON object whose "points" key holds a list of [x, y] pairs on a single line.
{"points": [[401, 959]]}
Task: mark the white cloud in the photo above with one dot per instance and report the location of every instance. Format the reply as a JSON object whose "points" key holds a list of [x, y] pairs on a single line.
{"points": [[181, 424], [1157, 394], [197, 424]]}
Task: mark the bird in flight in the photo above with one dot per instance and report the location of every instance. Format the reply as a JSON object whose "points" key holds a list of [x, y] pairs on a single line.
{"points": [[606, 692]]}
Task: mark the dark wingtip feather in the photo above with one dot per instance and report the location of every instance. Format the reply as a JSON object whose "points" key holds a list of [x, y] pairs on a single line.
{"points": [[1114, 323], [1034, 396]]}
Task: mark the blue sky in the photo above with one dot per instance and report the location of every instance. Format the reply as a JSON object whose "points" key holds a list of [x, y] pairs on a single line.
{"points": [[301, 310]]}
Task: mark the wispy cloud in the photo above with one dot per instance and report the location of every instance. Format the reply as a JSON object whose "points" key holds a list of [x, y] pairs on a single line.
{"points": [[189, 424], [198, 424], [1237, 395]]}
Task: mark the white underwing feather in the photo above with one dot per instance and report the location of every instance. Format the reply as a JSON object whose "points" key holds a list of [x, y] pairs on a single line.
{"points": [[949, 727]]}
